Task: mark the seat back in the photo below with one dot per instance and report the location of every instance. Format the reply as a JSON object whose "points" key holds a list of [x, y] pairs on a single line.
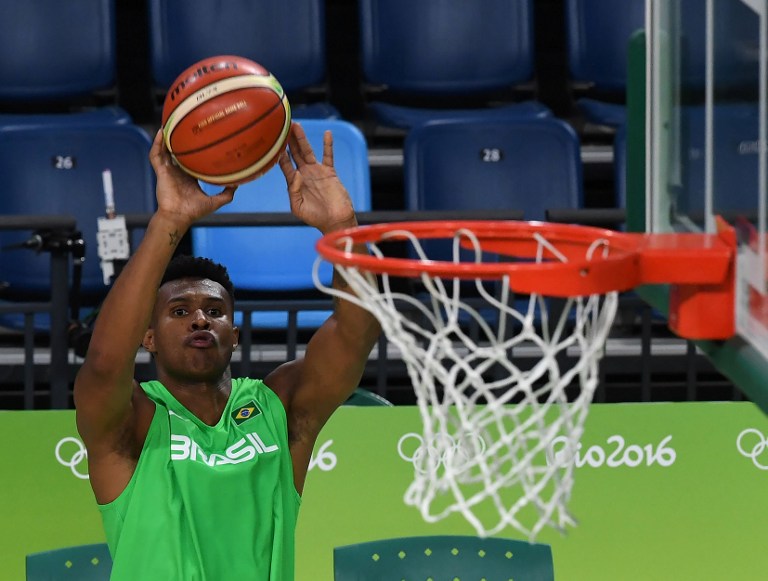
{"points": [[281, 258], [443, 557], [598, 33], [287, 37], [56, 168], [523, 164], [93, 116], [516, 164], [55, 50], [78, 563], [432, 47]]}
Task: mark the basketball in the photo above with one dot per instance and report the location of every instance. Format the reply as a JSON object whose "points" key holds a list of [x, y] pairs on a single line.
{"points": [[225, 120]]}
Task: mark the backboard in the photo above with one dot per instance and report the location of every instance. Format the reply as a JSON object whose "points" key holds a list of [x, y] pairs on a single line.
{"points": [[704, 129]]}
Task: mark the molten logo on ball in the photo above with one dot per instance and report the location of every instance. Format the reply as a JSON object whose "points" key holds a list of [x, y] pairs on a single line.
{"points": [[226, 120], [200, 72]]}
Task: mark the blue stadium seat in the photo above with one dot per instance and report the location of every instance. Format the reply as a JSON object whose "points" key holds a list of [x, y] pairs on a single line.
{"points": [[287, 37], [599, 31], [280, 258], [55, 50], [56, 169], [447, 55], [517, 164], [96, 116]]}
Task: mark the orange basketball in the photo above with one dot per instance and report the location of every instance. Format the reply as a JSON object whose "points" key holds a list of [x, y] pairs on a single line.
{"points": [[226, 120]]}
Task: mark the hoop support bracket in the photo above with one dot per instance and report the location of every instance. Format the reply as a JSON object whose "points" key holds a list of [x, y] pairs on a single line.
{"points": [[703, 307]]}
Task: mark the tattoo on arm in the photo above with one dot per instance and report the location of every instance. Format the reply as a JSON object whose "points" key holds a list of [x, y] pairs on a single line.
{"points": [[174, 238]]}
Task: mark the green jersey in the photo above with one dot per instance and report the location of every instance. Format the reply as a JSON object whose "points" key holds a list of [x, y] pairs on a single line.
{"points": [[208, 502]]}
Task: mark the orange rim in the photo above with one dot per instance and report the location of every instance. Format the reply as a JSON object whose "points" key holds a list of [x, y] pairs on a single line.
{"points": [[619, 261]]}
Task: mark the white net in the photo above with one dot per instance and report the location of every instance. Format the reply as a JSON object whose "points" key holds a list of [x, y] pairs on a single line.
{"points": [[503, 385]]}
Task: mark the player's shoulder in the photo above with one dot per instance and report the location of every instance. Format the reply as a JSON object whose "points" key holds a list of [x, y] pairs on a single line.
{"points": [[250, 386], [283, 382]]}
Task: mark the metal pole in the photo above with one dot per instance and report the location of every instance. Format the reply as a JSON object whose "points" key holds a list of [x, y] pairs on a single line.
{"points": [[59, 370]]}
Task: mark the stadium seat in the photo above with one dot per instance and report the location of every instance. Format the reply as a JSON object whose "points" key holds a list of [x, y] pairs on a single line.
{"points": [[78, 563], [56, 51], [288, 38], [443, 557], [279, 259], [425, 60], [95, 116], [599, 31], [56, 169], [517, 164]]}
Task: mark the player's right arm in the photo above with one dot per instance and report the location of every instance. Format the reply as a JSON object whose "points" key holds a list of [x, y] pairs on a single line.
{"points": [[112, 412]]}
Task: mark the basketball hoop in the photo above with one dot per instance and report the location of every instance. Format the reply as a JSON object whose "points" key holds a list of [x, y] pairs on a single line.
{"points": [[499, 436]]}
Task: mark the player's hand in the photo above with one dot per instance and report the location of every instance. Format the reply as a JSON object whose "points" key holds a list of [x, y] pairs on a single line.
{"points": [[317, 196], [179, 194]]}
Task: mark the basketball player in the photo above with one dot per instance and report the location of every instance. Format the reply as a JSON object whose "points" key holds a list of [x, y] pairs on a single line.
{"points": [[198, 475]]}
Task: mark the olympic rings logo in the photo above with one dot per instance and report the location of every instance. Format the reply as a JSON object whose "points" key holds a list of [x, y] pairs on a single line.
{"points": [[72, 460], [757, 448], [441, 451]]}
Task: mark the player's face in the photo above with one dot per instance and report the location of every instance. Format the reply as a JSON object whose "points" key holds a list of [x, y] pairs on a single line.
{"points": [[192, 335]]}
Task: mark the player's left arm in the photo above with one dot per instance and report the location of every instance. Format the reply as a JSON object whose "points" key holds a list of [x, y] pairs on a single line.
{"points": [[314, 386]]}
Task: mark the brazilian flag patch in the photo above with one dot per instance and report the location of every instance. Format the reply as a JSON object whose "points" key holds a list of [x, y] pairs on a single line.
{"points": [[246, 412]]}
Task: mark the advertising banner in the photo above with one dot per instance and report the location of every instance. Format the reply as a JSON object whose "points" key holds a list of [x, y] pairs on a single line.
{"points": [[662, 491]]}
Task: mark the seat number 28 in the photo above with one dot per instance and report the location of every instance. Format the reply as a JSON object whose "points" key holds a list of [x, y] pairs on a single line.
{"points": [[491, 154]]}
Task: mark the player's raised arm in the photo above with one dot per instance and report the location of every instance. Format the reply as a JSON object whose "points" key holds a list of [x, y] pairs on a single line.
{"points": [[313, 387], [104, 386]]}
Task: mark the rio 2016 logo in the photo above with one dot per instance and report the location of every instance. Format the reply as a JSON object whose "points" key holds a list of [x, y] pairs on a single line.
{"points": [[617, 454], [445, 450]]}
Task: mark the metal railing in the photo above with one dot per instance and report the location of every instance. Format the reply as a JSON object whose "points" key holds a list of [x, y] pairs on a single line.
{"points": [[57, 306], [639, 360]]}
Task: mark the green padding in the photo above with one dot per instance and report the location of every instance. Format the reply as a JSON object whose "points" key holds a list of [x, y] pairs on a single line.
{"points": [[636, 60], [443, 558], [364, 397], [79, 563]]}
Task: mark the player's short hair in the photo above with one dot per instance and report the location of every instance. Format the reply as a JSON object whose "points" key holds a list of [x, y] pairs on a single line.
{"points": [[185, 266]]}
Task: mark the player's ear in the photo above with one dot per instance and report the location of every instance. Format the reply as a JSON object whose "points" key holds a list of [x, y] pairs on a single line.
{"points": [[148, 342], [236, 335]]}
